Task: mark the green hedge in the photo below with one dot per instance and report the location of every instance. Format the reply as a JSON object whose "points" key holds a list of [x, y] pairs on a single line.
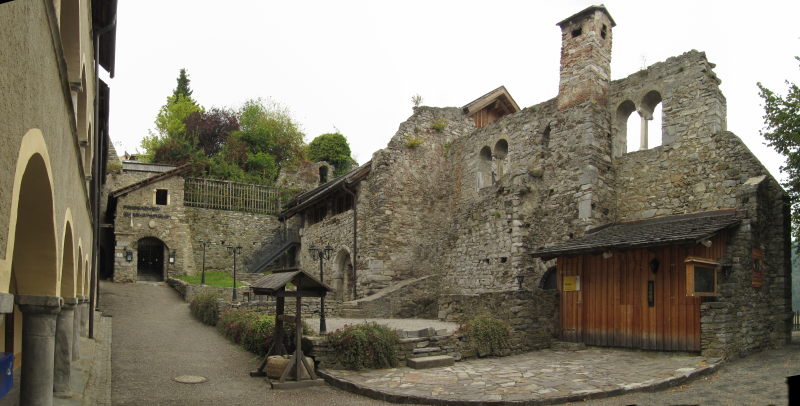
{"points": [[367, 345], [487, 336], [254, 330], [204, 307]]}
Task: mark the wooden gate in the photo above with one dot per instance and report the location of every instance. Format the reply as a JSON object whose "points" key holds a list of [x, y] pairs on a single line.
{"points": [[622, 302]]}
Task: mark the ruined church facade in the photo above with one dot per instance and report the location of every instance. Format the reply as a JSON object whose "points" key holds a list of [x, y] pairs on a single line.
{"points": [[531, 214]]}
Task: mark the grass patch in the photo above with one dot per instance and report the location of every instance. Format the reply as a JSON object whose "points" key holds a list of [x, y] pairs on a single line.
{"points": [[213, 278]]}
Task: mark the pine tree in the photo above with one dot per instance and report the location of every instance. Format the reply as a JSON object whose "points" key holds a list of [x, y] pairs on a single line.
{"points": [[183, 88]]}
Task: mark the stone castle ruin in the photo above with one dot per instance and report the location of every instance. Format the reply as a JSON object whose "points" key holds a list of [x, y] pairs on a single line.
{"points": [[537, 215], [494, 208]]}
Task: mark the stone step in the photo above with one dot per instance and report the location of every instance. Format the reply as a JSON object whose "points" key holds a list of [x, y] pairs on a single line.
{"points": [[430, 362], [567, 346], [425, 350]]}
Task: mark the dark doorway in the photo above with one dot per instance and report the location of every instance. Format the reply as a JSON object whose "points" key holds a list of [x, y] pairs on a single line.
{"points": [[150, 259]]}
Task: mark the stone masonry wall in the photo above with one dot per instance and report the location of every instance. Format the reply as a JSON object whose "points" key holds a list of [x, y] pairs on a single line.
{"points": [[180, 228], [532, 314], [234, 228]]}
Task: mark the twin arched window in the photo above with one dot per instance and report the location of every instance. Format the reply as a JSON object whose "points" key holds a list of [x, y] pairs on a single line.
{"points": [[492, 165], [647, 126]]}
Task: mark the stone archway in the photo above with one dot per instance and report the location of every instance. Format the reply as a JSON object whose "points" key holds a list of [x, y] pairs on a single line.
{"points": [[342, 276], [34, 274], [150, 259]]}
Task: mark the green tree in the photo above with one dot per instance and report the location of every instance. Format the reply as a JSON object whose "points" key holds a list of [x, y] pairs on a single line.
{"points": [[183, 88], [267, 127], [170, 125], [332, 148], [782, 132]]}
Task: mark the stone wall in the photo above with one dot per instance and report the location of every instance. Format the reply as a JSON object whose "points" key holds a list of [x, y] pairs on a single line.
{"points": [[410, 299], [180, 228], [532, 314], [234, 228], [188, 291]]}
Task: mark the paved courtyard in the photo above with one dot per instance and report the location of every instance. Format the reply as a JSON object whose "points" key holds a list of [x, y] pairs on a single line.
{"points": [[155, 339], [536, 376]]}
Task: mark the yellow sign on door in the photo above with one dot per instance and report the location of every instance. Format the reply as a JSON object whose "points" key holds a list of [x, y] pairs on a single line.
{"points": [[571, 283]]}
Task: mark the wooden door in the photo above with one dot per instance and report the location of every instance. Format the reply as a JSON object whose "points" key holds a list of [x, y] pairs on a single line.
{"points": [[626, 300]]}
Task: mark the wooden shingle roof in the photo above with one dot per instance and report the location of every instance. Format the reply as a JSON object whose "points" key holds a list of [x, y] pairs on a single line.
{"points": [[276, 282], [687, 228]]}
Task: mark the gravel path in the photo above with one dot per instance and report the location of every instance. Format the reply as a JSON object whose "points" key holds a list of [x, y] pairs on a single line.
{"points": [[156, 339]]}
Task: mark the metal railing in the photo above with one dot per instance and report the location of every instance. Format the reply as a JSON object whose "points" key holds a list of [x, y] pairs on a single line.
{"points": [[271, 247]]}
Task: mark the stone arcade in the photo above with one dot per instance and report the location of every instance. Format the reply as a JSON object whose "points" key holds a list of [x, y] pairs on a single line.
{"points": [[494, 208]]}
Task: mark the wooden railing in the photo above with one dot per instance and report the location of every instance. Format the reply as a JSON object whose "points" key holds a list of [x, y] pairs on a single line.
{"points": [[234, 196]]}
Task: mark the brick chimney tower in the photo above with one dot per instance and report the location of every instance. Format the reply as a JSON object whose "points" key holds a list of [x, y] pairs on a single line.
{"points": [[585, 58]]}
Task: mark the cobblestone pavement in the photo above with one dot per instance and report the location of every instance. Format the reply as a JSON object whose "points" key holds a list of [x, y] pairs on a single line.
{"points": [[155, 339], [536, 376], [759, 379]]}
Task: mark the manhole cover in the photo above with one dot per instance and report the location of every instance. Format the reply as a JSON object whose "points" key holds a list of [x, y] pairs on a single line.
{"points": [[190, 379]]}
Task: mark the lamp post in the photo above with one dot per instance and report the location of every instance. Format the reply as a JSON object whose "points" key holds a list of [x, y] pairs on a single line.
{"points": [[235, 250], [321, 253], [205, 245]]}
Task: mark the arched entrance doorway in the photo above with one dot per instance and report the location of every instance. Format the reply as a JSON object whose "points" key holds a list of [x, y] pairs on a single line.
{"points": [[342, 276], [150, 259]]}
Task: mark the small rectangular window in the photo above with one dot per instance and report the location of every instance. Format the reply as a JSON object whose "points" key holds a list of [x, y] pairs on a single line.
{"points": [[161, 197], [701, 277]]}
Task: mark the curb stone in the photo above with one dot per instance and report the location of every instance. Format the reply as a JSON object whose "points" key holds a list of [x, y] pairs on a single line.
{"points": [[394, 397]]}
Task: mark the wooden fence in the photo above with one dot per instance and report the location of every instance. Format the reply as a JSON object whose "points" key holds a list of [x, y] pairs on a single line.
{"points": [[234, 196]]}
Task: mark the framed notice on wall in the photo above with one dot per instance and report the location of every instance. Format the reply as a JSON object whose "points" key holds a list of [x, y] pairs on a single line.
{"points": [[758, 268], [571, 283]]}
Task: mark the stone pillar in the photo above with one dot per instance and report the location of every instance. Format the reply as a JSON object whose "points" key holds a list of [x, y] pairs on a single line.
{"points": [[64, 341], [38, 348], [76, 329], [85, 317]]}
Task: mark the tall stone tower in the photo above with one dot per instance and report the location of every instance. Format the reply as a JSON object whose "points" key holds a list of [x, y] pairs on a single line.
{"points": [[585, 58], [583, 109]]}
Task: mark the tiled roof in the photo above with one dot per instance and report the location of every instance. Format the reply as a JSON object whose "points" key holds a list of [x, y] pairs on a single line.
{"points": [[646, 233]]}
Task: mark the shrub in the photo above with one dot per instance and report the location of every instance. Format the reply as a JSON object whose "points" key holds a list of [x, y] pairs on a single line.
{"points": [[204, 307], [254, 330], [439, 125], [367, 345], [487, 336], [413, 142]]}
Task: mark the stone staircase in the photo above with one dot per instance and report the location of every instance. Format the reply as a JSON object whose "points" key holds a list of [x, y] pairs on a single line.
{"points": [[385, 303], [429, 348]]}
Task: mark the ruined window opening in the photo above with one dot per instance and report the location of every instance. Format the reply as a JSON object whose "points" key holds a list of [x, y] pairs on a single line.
{"points": [[323, 174], [577, 32], [500, 154], [549, 279], [161, 197], [649, 123], [484, 174], [342, 203], [546, 137], [603, 31]]}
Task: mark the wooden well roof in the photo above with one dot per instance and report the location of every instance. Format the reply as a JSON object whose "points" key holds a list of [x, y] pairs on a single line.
{"points": [[274, 284], [687, 228]]}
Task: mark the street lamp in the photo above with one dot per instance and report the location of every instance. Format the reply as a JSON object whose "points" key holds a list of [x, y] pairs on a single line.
{"points": [[321, 253], [205, 245], [235, 250]]}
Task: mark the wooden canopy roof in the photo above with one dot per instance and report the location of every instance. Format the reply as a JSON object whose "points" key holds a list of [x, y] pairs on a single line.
{"points": [[498, 98], [307, 199], [687, 228], [275, 285]]}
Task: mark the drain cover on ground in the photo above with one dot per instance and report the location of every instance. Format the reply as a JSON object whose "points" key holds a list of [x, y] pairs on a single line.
{"points": [[190, 379]]}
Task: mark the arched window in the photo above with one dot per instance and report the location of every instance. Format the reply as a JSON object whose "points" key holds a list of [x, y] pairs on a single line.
{"points": [[651, 120], [69, 23], [484, 173], [500, 154], [625, 128], [549, 279]]}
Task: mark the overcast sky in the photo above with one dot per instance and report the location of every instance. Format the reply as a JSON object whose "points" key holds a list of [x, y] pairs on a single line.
{"points": [[353, 66]]}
